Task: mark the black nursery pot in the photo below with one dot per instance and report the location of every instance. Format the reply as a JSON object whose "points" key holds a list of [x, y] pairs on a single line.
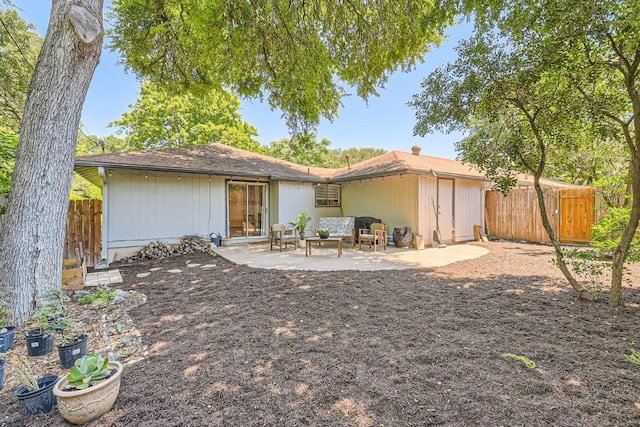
{"points": [[70, 353], [38, 344], [40, 401], [6, 338]]}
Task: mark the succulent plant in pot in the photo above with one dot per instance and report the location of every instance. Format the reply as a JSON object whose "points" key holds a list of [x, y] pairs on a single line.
{"points": [[7, 331], [90, 389]]}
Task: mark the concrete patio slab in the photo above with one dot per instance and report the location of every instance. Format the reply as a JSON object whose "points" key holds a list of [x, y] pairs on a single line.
{"points": [[326, 258]]}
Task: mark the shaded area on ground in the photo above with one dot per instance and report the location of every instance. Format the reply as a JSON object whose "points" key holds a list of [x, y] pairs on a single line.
{"points": [[238, 346]]}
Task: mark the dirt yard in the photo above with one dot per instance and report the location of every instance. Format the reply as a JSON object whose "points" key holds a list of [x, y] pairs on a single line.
{"points": [[236, 346]]}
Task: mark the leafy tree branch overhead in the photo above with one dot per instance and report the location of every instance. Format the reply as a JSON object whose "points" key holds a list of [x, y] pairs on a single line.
{"points": [[298, 55]]}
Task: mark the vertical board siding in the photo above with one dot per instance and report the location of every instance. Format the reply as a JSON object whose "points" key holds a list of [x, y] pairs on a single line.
{"points": [[84, 228], [163, 207], [468, 208], [517, 215], [577, 214]]}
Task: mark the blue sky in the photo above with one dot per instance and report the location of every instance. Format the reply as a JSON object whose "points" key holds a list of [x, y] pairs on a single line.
{"points": [[385, 122]]}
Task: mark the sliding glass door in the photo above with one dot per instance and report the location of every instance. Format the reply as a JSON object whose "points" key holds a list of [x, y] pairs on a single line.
{"points": [[247, 209]]}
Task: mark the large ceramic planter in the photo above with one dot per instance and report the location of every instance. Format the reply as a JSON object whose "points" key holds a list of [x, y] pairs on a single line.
{"points": [[81, 406], [40, 401], [6, 338], [38, 344], [70, 353]]}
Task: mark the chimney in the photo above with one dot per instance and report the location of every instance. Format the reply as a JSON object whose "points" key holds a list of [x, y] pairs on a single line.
{"points": [[348, 159], [415, 150]]}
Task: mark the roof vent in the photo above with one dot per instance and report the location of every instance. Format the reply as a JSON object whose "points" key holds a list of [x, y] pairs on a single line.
{"points": [[415, 150]]}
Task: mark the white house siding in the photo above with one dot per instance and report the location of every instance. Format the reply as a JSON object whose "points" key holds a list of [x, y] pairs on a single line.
{"points": [[468, 208], [292, 199], [428, 189], [145, 207], [394, 200]]}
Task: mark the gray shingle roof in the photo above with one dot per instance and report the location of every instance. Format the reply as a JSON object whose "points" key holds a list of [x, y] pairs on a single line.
{"points": [[219, 159]]}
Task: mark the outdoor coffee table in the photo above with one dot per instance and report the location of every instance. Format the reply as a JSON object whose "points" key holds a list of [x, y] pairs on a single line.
{"points": [[311, 240]]}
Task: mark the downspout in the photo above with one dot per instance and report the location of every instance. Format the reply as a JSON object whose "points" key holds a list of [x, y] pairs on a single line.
{"points": [[104, 253]]}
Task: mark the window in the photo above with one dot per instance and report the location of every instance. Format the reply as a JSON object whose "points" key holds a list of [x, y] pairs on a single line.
{"points": [[327, 195]]}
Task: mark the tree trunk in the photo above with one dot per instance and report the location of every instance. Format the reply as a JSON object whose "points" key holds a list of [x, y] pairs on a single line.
{"points": [[620, 252], [31, 239], [582, 292]]}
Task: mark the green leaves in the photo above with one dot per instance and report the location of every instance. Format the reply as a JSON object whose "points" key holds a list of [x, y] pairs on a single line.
{"points": [[161, 118], [19, 48], [530, 364], [298, 55], [8, 146], [88, 370]]}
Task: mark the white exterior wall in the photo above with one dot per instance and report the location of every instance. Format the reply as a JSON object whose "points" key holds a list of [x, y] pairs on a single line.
{"points": [[428, 189], [161, 207], [394, 200], [469, 208], [296, 197]]}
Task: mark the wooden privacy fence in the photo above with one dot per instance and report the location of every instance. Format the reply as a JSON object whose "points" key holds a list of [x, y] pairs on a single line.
{"points": [[571, 212], [84, 225]]}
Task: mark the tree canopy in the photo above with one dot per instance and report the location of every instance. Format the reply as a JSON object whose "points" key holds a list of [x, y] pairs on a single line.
{"points": [[19, 47], [297, 55], [541, 79], [305, 149], [162, 118]]}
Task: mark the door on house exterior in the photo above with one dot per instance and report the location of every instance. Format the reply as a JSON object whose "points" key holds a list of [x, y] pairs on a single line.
{"points": [[446, 221], [247, 205]]}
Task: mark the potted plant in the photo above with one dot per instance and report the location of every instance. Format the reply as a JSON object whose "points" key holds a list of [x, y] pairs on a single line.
{"points": [[300, 224], [44, 323], [35, 396], [72, 343], [323, 234], [90, 389], [7, 333]]}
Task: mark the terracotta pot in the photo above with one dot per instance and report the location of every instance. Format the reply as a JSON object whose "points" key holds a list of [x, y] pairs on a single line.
{"points": [[82, 406]]}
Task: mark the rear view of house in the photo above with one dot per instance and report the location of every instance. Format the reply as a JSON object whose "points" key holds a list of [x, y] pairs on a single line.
{"points": [[166, 194]]}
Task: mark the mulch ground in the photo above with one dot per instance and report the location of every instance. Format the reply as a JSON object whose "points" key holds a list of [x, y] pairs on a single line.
{"points": [[236, 346]]}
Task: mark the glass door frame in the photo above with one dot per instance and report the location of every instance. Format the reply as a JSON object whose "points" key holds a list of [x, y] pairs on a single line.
{"points": [[248, 217]]}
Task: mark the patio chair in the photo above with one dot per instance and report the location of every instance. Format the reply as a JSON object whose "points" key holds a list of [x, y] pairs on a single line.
{"points": [[281, 236], [375, 235]]}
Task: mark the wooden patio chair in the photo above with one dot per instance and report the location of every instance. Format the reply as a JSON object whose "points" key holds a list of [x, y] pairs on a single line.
{"points": [[374, 236], [281, 236]]}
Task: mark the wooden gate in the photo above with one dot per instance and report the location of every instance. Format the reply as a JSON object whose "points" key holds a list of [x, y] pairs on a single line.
{"points": [[576, 214], [84, 227]]}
